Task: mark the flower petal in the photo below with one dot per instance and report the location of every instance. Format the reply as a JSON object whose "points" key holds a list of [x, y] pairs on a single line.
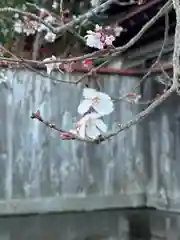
{"points": [[82, 131], [92, 131], [93, 115], [84, 106], [89, 93], [101, 125], [103, 96], [89, 32], [104, 107], [49, 68], [50, 37]]}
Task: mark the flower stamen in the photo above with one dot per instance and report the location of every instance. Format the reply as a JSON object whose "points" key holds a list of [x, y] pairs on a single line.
{"points": [[96, 100]]}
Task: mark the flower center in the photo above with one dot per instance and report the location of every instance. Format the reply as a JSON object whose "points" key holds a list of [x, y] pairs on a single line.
{"points": [[96, 101]]}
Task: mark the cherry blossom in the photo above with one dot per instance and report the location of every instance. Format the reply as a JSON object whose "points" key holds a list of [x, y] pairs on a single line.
{"points": [[18, 26], [51, 66], [94, 3], [98, 101], [50, 37], [27, 26], [90, 126], [30, 27], [118, 30], [93, 40], [109, 40], [55, 5], [98, 38]]}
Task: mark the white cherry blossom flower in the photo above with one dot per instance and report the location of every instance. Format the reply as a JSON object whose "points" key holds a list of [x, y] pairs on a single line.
{"points": [[51, 66], [109, 40], [99, 101], [55, 5], [90, 126], [16, 15], [98, 28], [93, 39], [118, 30], [98, 38], [30, 28], [94, 3], [50, 37], [18, 26]]}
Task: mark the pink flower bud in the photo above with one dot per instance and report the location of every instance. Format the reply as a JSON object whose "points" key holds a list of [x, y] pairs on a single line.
{"points": [[38, 115], [66, 136], [88, 63]]}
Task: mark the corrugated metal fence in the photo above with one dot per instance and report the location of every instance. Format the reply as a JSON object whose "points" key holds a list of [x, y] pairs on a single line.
{"points": [[41, 173]]}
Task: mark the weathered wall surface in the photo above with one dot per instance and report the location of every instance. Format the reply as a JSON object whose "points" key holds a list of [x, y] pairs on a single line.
{"points": [[41, 173]]}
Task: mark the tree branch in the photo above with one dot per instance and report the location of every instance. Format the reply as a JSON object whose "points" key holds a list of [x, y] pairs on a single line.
{"points": [[115, 51], [176, 53], [27, 14], [81, 19]]}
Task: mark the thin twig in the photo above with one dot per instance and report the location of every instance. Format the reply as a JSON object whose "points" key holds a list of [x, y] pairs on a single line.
{"points": [[35, 70], [139, 117], [155, 63]]}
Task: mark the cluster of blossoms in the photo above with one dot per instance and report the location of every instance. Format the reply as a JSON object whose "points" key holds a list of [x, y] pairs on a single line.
{"points": [[98, 38], [69, 67], [94, 106], [31, 27]]}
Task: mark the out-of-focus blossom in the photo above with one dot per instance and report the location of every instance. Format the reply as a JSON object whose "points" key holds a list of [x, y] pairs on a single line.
{"points": [[18, 26], [55, 5], [93, 40], [109, 40], [50, 37], [51, 66], [118, 30], [30, 27], [94, 3], [98, 38], [100, 102]]}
